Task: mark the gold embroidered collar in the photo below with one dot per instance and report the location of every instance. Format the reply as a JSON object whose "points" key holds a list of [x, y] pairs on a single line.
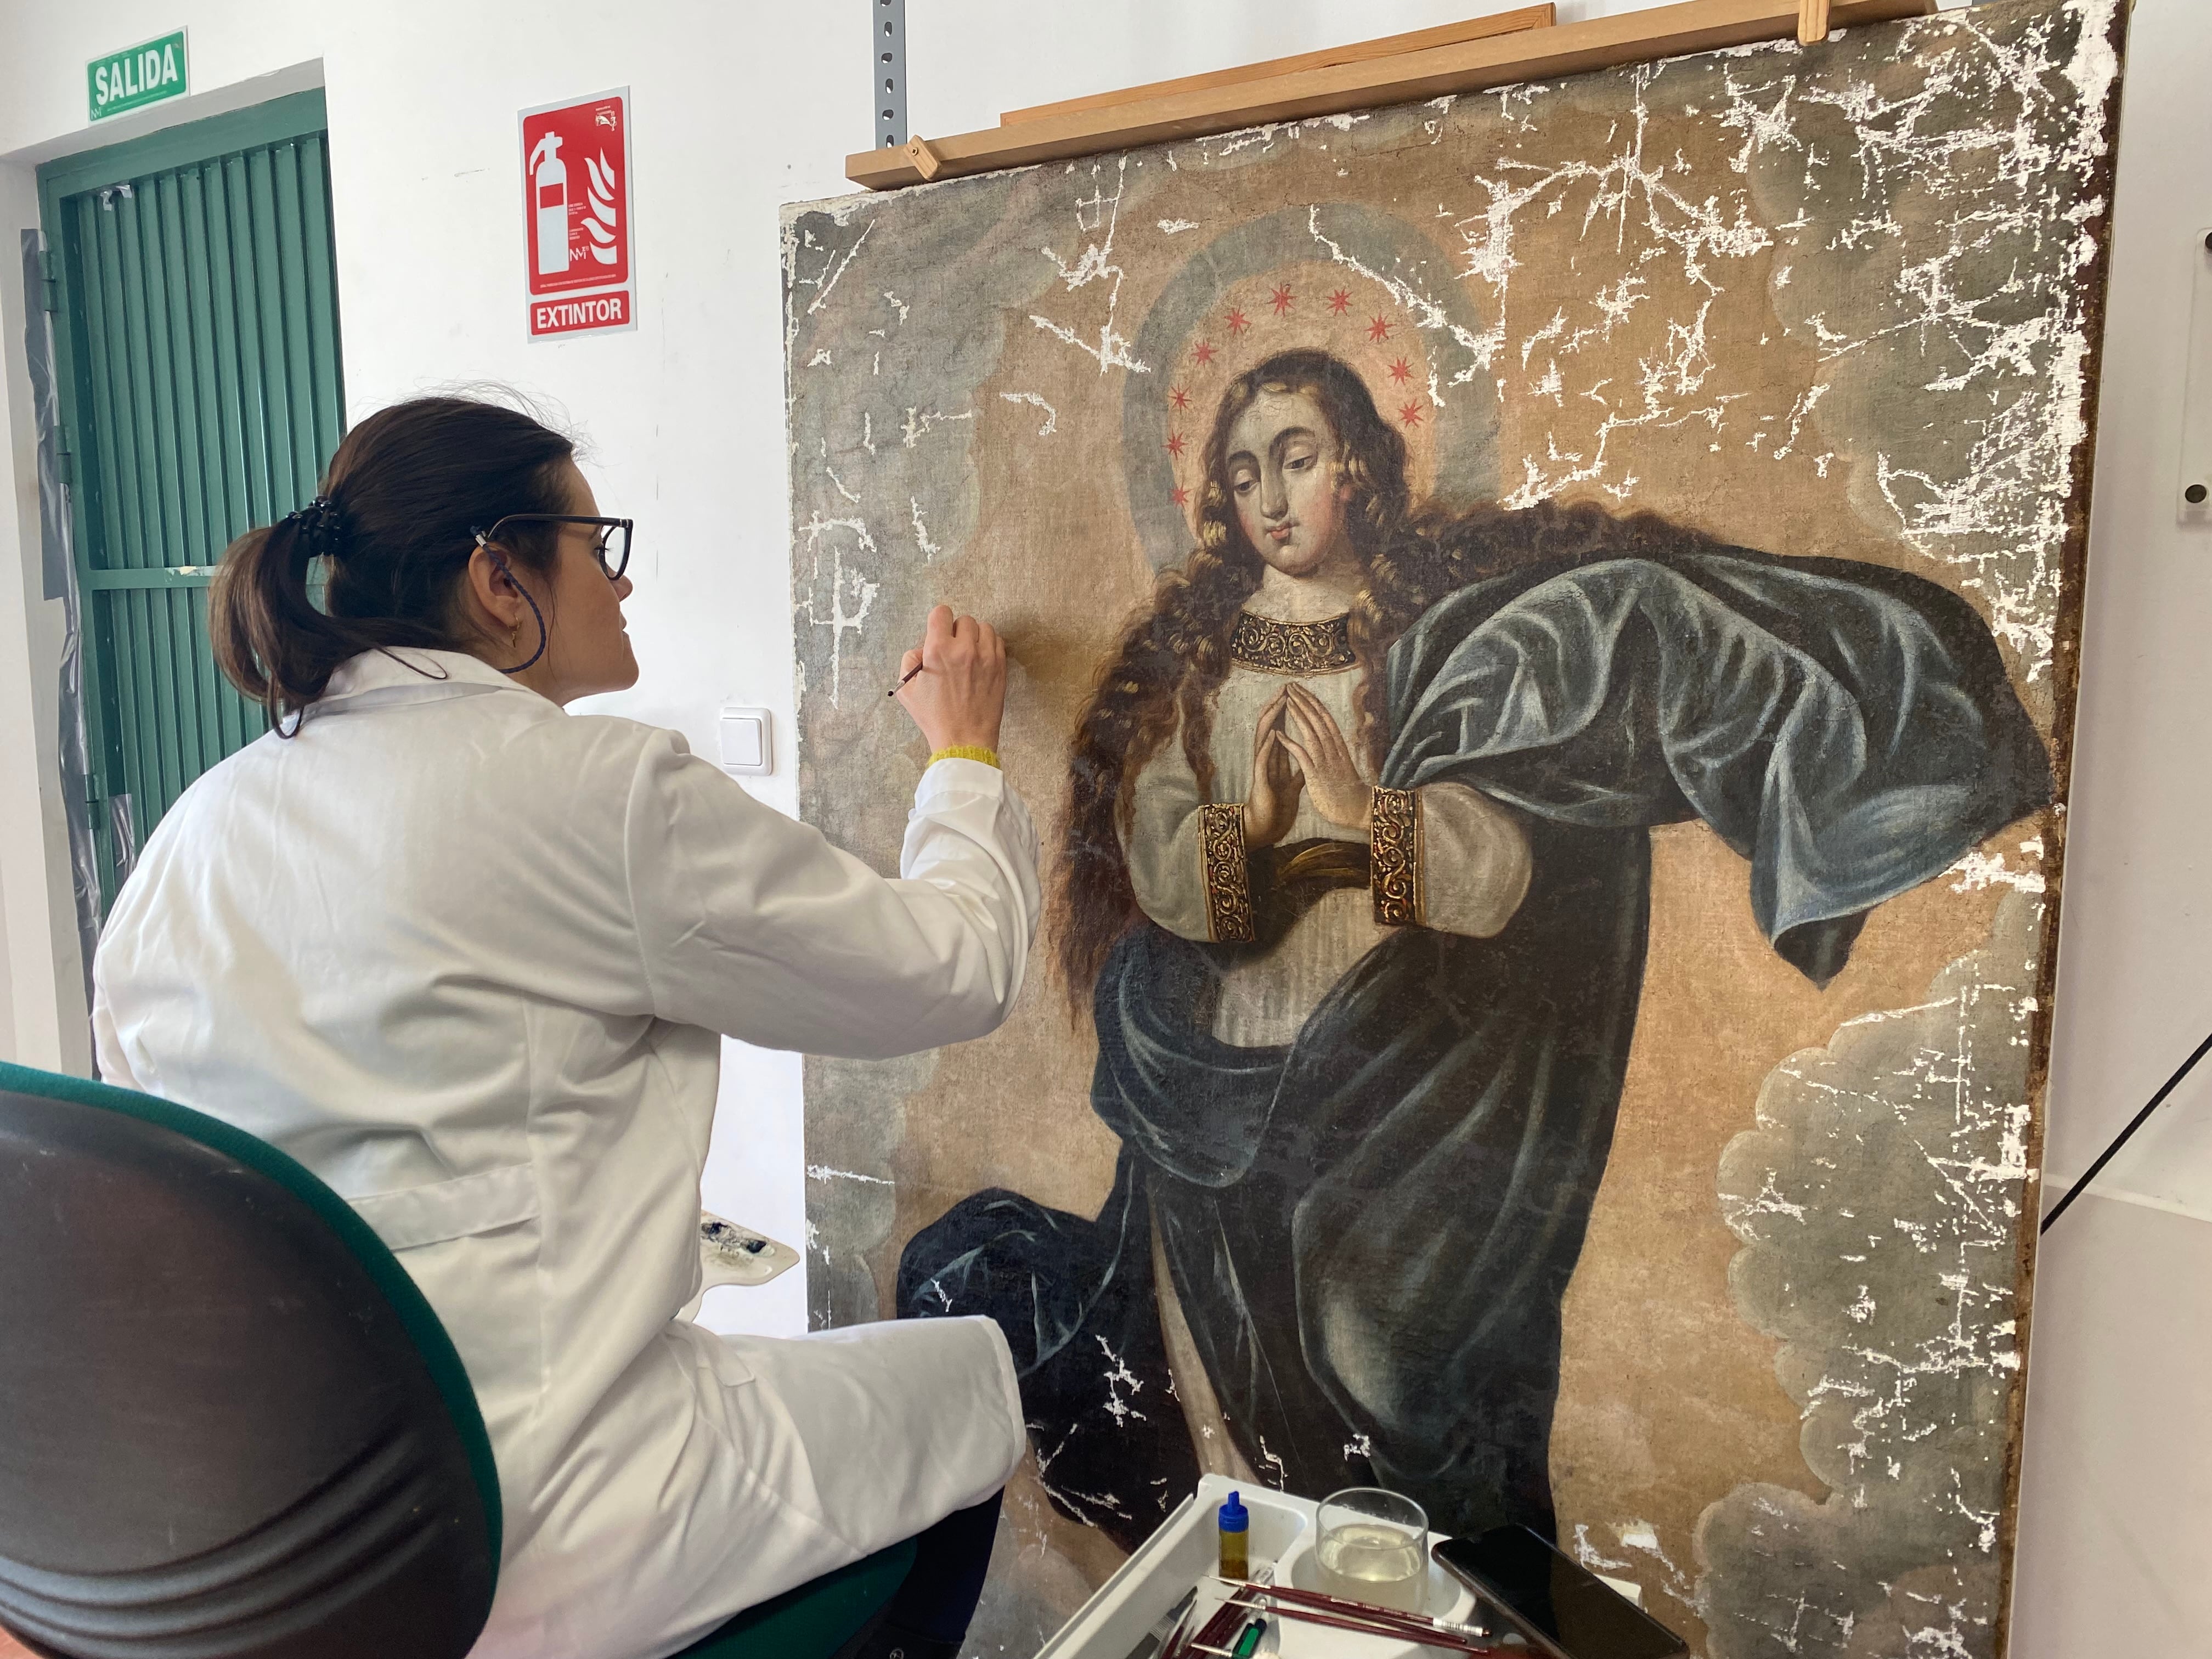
{"points": [[1281, 647]]}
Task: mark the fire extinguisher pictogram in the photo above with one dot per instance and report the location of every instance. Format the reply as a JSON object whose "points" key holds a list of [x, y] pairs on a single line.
{"points": [[577, 214], [549, 182]]}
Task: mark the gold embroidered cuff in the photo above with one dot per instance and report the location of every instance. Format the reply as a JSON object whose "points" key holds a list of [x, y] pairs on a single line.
{"points": [[1228, 882], [1394, 849]]}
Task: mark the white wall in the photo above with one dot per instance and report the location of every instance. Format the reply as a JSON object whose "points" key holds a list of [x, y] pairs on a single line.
{"points": [[738, 108], [2116, 1502]]}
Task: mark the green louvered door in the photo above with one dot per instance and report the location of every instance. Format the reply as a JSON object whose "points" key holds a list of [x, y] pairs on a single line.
{"points": [[197, 341]]}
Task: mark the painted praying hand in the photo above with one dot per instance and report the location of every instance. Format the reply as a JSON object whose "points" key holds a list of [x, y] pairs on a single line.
{"points": [[1330, 775], [1271, 803]]}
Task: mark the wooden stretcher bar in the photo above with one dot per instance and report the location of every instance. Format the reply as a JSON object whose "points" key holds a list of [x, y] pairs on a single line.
{"points": [[1469, 64]]}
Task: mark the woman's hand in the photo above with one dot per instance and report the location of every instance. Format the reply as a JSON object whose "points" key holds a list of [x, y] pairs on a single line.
{"points": [[1332, 777], [1271, 803], [960, 696]]}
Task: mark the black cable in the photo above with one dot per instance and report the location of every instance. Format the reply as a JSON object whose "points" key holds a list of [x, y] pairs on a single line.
{"points": [[2141, 1118]]}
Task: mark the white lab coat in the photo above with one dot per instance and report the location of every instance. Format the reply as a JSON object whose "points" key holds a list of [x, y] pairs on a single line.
{"points": [[465, 956]]}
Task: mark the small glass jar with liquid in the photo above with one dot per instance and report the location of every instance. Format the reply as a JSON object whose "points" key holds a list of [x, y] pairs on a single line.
{"points": [[1372, 1545]]}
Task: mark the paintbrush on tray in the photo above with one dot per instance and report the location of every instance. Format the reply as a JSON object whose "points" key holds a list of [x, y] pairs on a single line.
{"points": [[1311, 1607]]}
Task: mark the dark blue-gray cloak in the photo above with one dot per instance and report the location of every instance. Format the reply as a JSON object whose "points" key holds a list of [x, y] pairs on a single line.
{"points": [[1371, 1230]]}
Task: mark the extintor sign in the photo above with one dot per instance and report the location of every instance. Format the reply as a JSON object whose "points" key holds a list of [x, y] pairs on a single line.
{"points": [[576, 214]]}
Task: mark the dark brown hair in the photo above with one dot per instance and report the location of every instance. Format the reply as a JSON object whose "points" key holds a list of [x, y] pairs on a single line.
{"points": [[405, 493], [1174, 654]]}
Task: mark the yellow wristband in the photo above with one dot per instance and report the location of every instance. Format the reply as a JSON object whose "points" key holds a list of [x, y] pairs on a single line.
{"points": [[973, 752]]}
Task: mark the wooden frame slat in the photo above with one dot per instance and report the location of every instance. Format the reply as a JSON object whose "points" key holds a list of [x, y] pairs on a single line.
{"points": [[1403, 78], [1389, 45]]}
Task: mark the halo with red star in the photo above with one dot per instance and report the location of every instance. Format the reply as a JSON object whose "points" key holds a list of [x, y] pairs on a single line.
{"points": [[1312, 306], [1378, 292]]}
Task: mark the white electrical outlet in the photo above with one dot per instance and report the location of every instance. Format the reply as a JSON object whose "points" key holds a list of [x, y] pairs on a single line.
{"points": [[747, 748]]}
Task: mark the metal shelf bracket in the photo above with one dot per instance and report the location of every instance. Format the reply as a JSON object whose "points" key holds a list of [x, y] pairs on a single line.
{"points": [[887, 71]]}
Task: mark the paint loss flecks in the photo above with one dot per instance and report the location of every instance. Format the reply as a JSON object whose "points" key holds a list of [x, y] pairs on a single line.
{"points": [[1607, 271], [1913, 208], [1879, 1202]]}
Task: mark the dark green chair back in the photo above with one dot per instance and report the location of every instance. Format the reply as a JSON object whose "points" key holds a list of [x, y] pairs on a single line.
{"points": [[231, 1427]]}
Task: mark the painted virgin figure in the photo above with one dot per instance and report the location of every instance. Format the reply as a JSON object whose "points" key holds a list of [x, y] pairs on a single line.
{"points": [[1355, 882]]}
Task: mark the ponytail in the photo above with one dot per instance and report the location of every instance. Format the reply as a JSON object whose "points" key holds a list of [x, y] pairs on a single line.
{"points": [[394, 525], [270, 640]]}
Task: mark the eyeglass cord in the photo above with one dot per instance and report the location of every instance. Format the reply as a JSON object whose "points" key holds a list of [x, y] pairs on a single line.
{"points": [[544, 639]]}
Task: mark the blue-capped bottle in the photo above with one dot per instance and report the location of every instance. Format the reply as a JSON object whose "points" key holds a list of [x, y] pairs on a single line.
{"points": [[1235, 1524]]}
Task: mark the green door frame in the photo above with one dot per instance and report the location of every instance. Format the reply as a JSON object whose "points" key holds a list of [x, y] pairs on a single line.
{"points": [[307, 329]]}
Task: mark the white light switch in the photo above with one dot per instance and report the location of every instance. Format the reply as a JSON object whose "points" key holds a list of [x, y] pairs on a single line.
{"points": [[745, 746]]}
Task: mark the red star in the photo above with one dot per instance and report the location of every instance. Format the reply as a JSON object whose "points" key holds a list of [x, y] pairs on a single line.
{"points": [[1411, 414], [1238, 322], [1204, 352], [1179, 398], [1175, 444], [1280, 299], [1180, 495], [1341, 301], [1401, 371], [1378, 330]]}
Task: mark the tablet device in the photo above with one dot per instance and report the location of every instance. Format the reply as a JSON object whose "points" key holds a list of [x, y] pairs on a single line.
{"points": [[1563, 1609]]}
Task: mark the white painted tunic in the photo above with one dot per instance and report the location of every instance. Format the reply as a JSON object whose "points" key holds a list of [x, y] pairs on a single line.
{"points": [[1474, 862], [467, 956]]}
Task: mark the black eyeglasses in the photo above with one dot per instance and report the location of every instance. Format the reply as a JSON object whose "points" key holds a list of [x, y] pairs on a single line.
{"points": [[611, 549]]}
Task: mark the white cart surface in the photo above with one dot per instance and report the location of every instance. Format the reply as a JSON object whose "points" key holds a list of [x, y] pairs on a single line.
{"points": [[1185, 1549]]}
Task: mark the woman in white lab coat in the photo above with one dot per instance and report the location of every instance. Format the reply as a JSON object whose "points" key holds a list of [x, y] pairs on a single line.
{"points": [[470, 958]]}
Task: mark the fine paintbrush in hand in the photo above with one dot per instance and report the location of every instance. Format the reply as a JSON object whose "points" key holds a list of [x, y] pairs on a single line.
{"points": [[903, 678]]}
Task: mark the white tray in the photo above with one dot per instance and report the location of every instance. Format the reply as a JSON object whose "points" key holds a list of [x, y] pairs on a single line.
{"points": [[1185, 1549]]}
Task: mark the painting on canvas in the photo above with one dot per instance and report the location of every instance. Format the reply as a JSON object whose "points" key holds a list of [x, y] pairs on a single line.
{"points": [[1542, 627]]}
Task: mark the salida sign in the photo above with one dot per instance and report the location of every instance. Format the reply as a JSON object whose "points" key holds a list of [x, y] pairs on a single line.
{"points": [[575, 184], [139, 75]]}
